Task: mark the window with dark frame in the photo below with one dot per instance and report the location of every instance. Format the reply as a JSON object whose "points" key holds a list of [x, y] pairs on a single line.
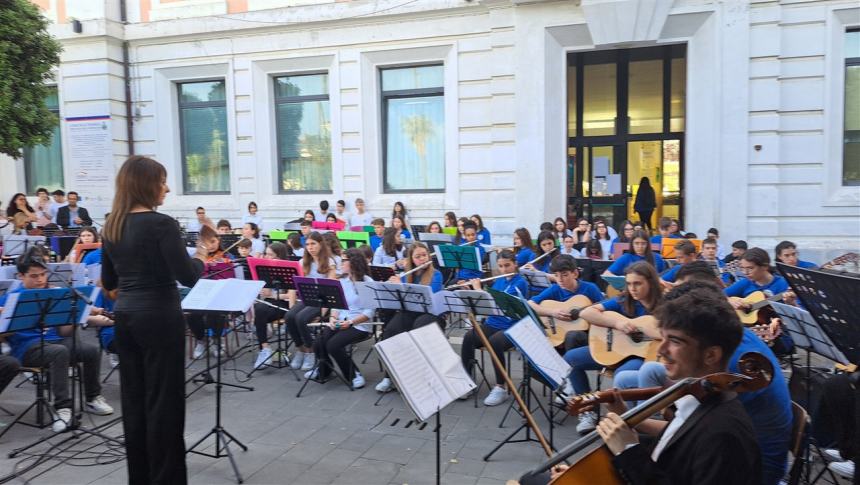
{"points": [[203, 137], [43, 164], [413, 128], [303, 132], [851, 135]]}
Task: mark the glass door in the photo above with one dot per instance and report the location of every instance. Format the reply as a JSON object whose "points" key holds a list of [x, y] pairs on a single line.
{"points": [[602, 185], [659, 161]]}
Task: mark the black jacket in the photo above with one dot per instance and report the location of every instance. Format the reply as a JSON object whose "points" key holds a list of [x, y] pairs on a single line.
{"points": [[63, 216], [716, 445]]}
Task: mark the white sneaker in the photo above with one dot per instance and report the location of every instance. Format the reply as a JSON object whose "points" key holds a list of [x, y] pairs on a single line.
{"points": [[297, 360], [832, 455], [497, 396], [61, 420], [587, 422], [199, 348], [358, 381], [98, 406], [263, 357], [114, 360], [384, 385], [844, 469], [310, 361], [312, 374]]}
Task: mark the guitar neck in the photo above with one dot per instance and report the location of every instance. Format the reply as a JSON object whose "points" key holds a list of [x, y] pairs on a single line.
{"points": [[766, 302]]}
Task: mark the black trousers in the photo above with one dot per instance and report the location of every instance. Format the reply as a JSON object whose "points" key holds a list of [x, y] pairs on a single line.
{"points": [[332, 345], [150, 348], [8, 370], [298, 319], [645, 218], [498, 341], [263, 314]]}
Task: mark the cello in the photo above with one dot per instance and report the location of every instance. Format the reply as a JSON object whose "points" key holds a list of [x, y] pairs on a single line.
{"points": [[591, 461]]}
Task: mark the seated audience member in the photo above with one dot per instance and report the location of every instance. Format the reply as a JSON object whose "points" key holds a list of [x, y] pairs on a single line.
{"points": [[640, 250], [202, 220], [340, 213], [482, 233], [224, 227], [252, 216], [581, 233], [42, 207], [378, 231], [641, 296], [494, 326], [567, 247], [251, 231], [323, 212], [601, 234], [19, 205], [305, 228], [738, 249], [360, 218], [560, 228], [55, 355], [601, 220], [786, 253], [594, 250]]}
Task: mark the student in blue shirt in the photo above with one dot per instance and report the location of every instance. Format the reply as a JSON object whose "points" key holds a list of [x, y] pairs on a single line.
{"points": [[755, 264], [665, 228], [640, 251], [399, 223], [685, 253], [786, 253], [482, 232], [495, 326], [378, 231], [523, 247], [306, 227], [546, 251], [470, 234], [642, 294], [417, 255], [709, 253]]}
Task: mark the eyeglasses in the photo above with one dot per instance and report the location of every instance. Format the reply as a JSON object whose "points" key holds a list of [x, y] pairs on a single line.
{"points": [[747, 269]]}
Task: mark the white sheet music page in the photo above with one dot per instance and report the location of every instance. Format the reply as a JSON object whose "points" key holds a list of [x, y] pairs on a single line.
{"points": [[532, 342], [420, 386], [438, 352], [228, 295]]}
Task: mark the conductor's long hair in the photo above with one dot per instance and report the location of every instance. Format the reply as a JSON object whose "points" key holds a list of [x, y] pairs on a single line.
{"points": [[138, 183]]}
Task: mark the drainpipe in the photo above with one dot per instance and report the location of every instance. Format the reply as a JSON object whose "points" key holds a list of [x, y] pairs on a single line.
{"points": [[129, 119]]}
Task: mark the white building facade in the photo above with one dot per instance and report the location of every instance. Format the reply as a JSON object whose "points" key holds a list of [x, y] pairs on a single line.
{"points": [[741, 112]]}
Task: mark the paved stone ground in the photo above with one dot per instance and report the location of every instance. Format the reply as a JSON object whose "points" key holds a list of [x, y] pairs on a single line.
{"points": [[328, 436]]}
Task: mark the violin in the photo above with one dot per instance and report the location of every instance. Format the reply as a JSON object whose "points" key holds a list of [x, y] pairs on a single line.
{"points": [[592, 460], [217, 257]]}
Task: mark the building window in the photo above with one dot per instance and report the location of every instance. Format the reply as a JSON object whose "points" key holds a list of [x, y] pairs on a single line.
{"points": [[413, 123], [303, 123], [203, 134], [43, 164], [851, 138]]}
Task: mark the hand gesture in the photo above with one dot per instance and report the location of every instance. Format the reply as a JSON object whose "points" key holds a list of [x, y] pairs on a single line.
{"points": [[562, 315], [616, 434], [626, 326], [475, 283]]}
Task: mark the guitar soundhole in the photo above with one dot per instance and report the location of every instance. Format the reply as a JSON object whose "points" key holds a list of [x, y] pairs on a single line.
{"points": [[637, 337]]}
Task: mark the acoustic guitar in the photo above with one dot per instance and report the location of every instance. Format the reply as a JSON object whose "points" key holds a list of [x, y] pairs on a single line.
{"points": [[757, 313], [840, 260], [610, 346], [556, 329]]}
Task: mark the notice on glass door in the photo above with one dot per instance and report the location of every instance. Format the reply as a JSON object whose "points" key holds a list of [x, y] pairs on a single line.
{"points": [[90, 149]]}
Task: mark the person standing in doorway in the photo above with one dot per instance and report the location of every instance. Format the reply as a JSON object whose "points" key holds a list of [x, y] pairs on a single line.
{"points": [[646, 202]]}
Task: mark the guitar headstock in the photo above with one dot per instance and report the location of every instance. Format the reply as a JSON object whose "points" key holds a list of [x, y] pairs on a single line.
{"points": [[845, 258], [756, 373]]}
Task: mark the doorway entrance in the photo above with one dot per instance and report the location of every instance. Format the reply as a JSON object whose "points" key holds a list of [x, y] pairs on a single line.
{"points": [[625, 122]]}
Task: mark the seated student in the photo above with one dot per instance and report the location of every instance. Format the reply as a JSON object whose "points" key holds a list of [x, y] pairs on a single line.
{"points": [[470, 234], [567, 247], [675, 228], [88, 235], [265, 314], [367, 252], [664, 226], [709, 253], [546, 251], [594, 250], [450, 219], [546, 226], [786, 253], [252, 232], [309, 216], [331, 218], [340, 213], [399, 223], [494, 326], [560, 228], [434, 227], [685, 252], [305, 228], [581, 233], [714, 233], [640, 251], [334, 246], [345, 327], [524, 250], [27, 349], [755, 264], [601, 220], [323, 212], [624, 237], [404, 321], [223, 227], [400, 210], [317, 262], [602, 234], [482, 232], [251, 216], [768, 408], [642, 294], [295, 245], [360, 218], [390, 252], [738, 249], [378, 231]]}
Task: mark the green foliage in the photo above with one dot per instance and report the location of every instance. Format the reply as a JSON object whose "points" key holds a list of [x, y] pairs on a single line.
{"points": [[27, 54]]}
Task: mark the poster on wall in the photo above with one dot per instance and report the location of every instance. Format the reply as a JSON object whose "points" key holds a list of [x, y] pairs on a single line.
{"points": [[90, 157]]}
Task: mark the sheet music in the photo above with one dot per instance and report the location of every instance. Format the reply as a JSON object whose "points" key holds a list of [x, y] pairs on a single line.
{"points": [[617, 282], [806, 332], [91, 292], [441, 356], [8, 311], [485, 304], [94, 272], [420, 386], [227, 295], [532, 343]]}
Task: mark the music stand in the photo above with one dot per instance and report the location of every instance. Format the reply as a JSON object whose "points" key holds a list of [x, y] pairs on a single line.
{"points": [[17, 245], [536, 279], [278, 276], [229, 241], [381, 273], [463, 257], [63, 273], [353, 239], [407, 297], [191, 238], [8, 285]]}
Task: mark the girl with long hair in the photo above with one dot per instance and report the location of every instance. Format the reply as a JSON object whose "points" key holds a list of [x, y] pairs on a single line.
{"points": [[483, 232], [251, 231], [450, 219], [434, 227], [19, 205], [390, 252], [560, 227], [625, 234], [640, 250], [144, 256], [524, 249]]}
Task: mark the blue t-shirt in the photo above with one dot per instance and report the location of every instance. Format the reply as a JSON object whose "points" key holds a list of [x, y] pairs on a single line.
{"points": [[671, 274], [806, 264], [617, 268], [484, 236], [768, 408], [557, 293], [93, 257], [467, 274], [435, 282], [744, 286], [22, 340], [375, 242], [615, 305], [405, 234], [658, 239], [525, 255], [515, 285]]}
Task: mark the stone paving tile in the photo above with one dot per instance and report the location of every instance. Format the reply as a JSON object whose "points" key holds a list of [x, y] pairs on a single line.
{"points": [[457, 479], [365, 471], [395, 449]]}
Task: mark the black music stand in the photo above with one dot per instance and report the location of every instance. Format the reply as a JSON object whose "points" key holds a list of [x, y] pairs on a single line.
{"points": [[17, 245], [229, 241], [278, 278], [322, 293], [191, 238]]}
